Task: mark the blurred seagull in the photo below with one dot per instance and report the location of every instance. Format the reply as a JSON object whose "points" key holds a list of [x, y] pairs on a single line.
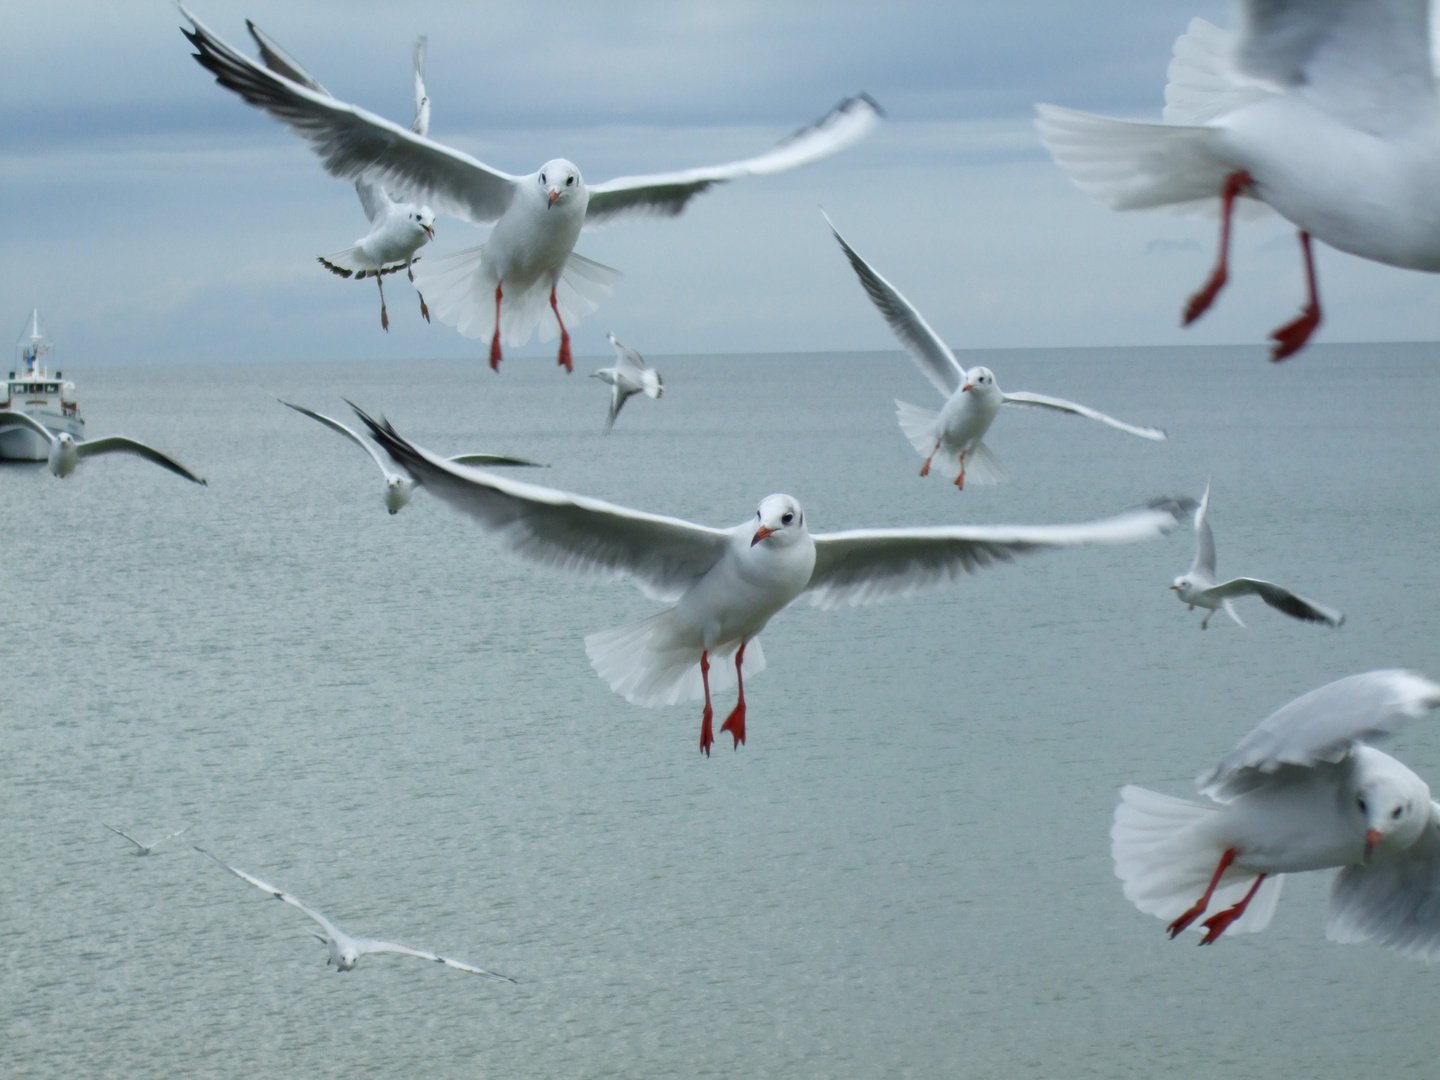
{"points": [[528, 261], [956, 433], [1303, 791], [398, 489], [628, 377], [1326, 112], [1198, 588], [345, 951], [66, 453], [726, 584], [144, 849], [398, 229]]}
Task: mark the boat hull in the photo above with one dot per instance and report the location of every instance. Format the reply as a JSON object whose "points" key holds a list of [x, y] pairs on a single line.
{"points": [[21, 444]]}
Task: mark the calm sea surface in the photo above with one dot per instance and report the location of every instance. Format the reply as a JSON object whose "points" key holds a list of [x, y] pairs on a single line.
{"points": [[906, 870]]}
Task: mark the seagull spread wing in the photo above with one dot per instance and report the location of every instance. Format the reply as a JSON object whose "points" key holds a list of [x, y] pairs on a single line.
{"points": [[491, 461], [1041, 401], [625, 355], [354, 144], [127, 836], [863, 566], [936, 362], [337, 426], [371, 945], [665, 194], [281, 62], [1278, 597], [278, 894], [1204, 539], [1322, 726], [13, 416], [421, 124], [663, 555], [1394, 901], [619, 394], [119, 444]]}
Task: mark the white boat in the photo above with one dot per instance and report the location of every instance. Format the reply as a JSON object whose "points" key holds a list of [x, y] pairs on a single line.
{"points": [[30, 389]]}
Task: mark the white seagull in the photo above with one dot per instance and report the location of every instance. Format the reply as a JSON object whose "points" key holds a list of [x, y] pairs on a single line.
{"points": [[1326, 112], [398, 489], [726, 584], [1303, 791], [529, 260], [66, 453], [145, 849], [1198, 587], [629, 376], [346, 951], [397, 229], [972, 398]]}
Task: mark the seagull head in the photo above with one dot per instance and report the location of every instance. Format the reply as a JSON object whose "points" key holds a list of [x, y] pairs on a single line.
{"points": [[559, 182], [1391, 803], [397, 492], [979, 380], [424, 219], [780, 521], [1183, 587]]}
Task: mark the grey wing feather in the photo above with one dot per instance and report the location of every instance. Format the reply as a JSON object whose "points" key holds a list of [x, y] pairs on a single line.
{"points": [[1279, 598], [618, 397], [14, 416], [1204, 539], [281, 62], [1055, 404], [1394, 902], [1322, 726], [421, 124], [120, 444], [127, 836], [625, 354], [354, 144], [864, 566], [492, 461], [663, 555], [337, 426], [372, 945], [934, 358], [373, 199], [665, 194], [278, 894]]}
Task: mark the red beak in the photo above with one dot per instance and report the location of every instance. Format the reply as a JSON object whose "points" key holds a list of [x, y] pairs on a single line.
{"points": [[1372, 837], [429, 231], [554, 194], [761, 533]]}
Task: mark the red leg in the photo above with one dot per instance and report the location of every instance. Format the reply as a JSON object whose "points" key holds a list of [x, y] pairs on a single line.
{"points": [[960, 480], [495, 341], [735, 722], [1198, 908], [706, 738], [1198, 303], [1291, 337], [925, 469], [564, 334], [1218, 923]]}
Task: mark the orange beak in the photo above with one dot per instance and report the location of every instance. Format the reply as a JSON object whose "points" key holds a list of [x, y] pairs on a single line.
{"points": [[1175, 587], [761, 533], [967, 386], [1372, 837], [429, 231], [554, 195]]}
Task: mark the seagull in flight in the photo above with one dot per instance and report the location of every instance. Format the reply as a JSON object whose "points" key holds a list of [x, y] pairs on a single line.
{"points": [[66, 453], [399, 489], [1198, 587], [627, 377], [503, 287], [397, 229], [1326, 113], [144, 849], [726, 584], [346, 951], [973, 399]]}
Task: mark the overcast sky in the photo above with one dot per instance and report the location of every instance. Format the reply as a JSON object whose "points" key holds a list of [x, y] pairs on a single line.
{"points": [[153, 216]]}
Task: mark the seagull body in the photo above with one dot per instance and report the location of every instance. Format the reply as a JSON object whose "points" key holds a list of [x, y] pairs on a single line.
{"points": [[1303, 791], [144, 849], [398, 230], [629, 376], [726, 584], [346, 951], [66, 454], [399, 489], [1198, 587], [502, 288], [973, 399], [1327, 113]]}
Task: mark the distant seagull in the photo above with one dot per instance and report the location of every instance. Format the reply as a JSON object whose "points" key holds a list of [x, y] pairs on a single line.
{"points": [[398, 229], [1324, 111], [144, 849], [345, 951], [66, 453], [956, 433], [398, 489], [628, 377], [529, 259], [1198, 588], [726, 584], [1303, 791]]}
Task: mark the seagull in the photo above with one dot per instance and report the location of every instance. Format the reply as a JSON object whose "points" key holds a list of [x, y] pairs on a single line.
{"points": [[398, 229], [398, 489], [1327, 113], [144, 849], [346, 951], [628, 377], [972, 398], [726, 584], [66, 453], [1303, 791], [528, 261], [1198, 588]]}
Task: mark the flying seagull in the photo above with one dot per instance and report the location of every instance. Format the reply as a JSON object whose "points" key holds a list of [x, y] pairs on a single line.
{"points": [[144, 849], [66, 453], [627, 377]]}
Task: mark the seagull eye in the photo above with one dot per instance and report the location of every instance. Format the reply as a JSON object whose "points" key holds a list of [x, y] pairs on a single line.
{"points": [[1360, 802], [542, 178], [569, 180], [1395, 814], [787, 518]]}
